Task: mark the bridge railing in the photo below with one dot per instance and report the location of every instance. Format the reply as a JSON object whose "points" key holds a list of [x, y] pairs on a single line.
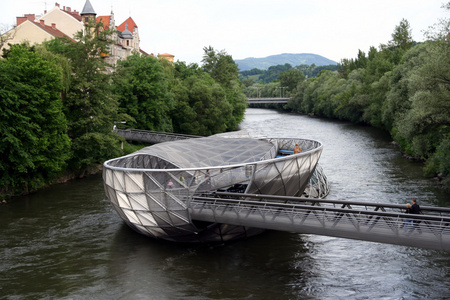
{"points": [[425, 231], [362, 205]]}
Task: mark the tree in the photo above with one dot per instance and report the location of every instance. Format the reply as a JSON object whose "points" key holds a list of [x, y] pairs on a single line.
{"points": [[290, 79], [142, 89], [202, 105], [34, 146], [89, 104], [401, 37], [225, 72], [220, 66]]}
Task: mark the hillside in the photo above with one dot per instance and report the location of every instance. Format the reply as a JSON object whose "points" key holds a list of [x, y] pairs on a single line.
{"points": [[286, 58]]}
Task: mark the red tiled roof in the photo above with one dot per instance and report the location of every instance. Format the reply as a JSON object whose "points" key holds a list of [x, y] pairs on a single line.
{"points": [[105, 20], [73, 13], [53, 31], [131, 25]]}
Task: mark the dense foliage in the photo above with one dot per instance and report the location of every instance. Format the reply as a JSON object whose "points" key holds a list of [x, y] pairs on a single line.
{"points": [[34, 144], [271, 74], [400, 87], [209, 99], [142, 90], [60, 102], [89, 104]]}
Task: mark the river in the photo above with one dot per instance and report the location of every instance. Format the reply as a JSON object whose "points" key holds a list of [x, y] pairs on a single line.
{"points": [[66, 242]]}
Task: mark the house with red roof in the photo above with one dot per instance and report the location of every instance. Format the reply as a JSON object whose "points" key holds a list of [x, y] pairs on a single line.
{"points": [[65, 21], [30, 29]]}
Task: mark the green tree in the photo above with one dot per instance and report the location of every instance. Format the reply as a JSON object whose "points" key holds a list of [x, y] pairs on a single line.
{"points": [[222, 68], [290, 79], [34, 145], [89, 104], [402, 37], [200, 107], [142, 89]]}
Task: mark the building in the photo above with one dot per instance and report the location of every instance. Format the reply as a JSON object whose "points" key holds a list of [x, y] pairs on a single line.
{"points": [[66, 22], [38, 29], [125, 36], [166, 56]]}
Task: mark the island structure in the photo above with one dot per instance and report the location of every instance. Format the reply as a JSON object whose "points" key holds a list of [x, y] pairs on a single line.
{"points": [[151, 189]]}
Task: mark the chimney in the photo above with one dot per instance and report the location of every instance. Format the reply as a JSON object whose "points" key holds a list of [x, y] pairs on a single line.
{"points": [[53, 25], [42, 22], [45, 11], [30, 17], [20, 20], [64, 8], [68, 9], [57, 4]]}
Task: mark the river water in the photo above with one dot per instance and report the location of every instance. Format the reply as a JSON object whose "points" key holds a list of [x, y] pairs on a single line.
{"points": [[66, 242]]}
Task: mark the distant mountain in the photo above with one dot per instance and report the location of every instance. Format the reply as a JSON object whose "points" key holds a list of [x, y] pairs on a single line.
{"points": [[281, 59]]}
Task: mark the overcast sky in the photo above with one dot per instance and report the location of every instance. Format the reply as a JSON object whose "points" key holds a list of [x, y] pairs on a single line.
{"points": [[335, 29]]}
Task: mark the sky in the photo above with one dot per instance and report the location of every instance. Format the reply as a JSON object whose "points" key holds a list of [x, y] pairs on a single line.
{"points": [[335, 29]]}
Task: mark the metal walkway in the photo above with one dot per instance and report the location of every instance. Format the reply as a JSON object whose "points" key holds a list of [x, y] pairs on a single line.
{"points": [[376, 222], [152, 137]]}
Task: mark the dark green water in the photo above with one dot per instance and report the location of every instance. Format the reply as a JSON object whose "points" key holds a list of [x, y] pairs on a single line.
{"points": [[66, 242]]}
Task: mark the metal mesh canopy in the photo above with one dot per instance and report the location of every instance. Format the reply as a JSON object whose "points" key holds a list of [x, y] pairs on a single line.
{"points": [[209, 152], [151, 189]]}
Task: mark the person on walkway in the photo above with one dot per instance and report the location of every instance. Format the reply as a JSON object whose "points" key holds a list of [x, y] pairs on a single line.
{"points": [[415, 209], [170, 184], [408, 222], [297, 149]]}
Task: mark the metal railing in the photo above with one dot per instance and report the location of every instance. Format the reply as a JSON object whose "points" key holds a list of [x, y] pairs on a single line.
{"points": [[377, 222]]}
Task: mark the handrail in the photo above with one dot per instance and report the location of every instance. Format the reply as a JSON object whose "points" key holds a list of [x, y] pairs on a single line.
{"points": [[294, 207], [327, 201]]}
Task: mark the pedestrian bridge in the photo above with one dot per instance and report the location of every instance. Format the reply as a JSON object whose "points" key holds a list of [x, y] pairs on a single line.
{"points": [[244, 199], [151, 137], [367, 221]]}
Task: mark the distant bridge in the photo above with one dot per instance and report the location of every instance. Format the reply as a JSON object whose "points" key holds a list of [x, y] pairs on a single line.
{"points": [[267, 100]]}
